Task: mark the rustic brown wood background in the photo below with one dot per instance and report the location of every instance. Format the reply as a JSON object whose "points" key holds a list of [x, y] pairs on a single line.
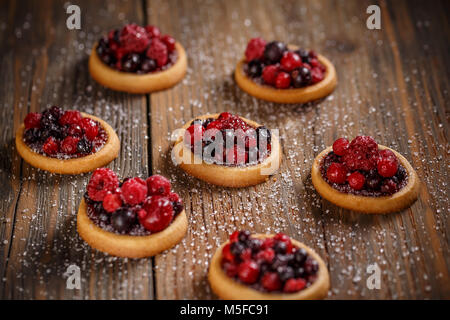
{"points": [[393, 85]]}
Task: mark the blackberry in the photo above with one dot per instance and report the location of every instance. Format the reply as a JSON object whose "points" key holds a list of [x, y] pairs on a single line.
{"points": [[243, 235], [84, 146], [131, 62], [32, 135], [255, 68], [123, 219], [51, 116], [280, 247], [300, 256], [237, 248], [285, 273]]}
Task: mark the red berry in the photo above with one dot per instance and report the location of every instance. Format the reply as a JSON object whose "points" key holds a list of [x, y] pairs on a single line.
{"points": [[271, 281], [285, 238], [231, 269], [102, 182], [169, 42], [112, 202], [75, 131], [134, 191], [290, 61], [389, 186], [174, 197], [362, 154], [234, 236], [194, 133], [255, 49], [69, 145], [134, 38], [158, 52], [153, 31], [50, 146], [248, 272], [356, 180], [337, 173], [316, 75], [270, 74], [283, 80], [340, 146], [158, 185], [386, 153], [268, 243], [90, 128], [159, 213], [226, 253], [33, 120], [387, 167], [266, 255], [70, 117], [225, 116], [215, 125], [294, 285]]}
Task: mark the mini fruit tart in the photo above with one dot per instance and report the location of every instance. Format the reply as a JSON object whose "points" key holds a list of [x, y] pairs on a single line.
{"points": [[137, 60], [227, 150], [132, 218], [285, 74], [66, 142], [269, 267], [364, 176]]}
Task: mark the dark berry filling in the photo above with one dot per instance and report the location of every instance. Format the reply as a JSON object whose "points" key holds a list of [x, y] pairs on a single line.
{"points": [[133, 206], [137, 49], [270, 265], [228, 140], [274, 64], [63, 134], [359, 167]]}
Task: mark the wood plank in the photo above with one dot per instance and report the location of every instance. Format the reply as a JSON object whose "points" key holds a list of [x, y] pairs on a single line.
{"points": [[49, 65]]}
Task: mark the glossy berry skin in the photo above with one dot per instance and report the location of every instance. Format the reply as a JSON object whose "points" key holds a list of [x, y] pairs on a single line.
{"points": [[70, 117], [255, 68], [294, 285], [148, 65], [102, 182], [112, 202], [194, 133], [283, 80], [387, 167], [159, 213], [356, 180], [51, 146], [290, 61], [134, 191], [227, 254], [270, 74], [340, 146], [273, 51], [301, 77], [69, 145], [90, 128], [316, 75], [158, 185], [337, 173], [32, 120], [271, 281], [255, 49], [123, 219], [248, 272], [169, 42]]}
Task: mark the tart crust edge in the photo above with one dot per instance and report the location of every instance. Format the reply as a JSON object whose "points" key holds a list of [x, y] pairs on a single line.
{"points": [[372, 205], [236, 177], [299, 95], [88, 163], [128, 246], [229, 289], [138, 83]]}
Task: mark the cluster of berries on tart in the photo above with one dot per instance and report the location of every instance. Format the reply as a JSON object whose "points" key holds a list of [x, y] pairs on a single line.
{"points": [[274, 64], [63, 134], [133, 206], [228, 140], [360, 167], [271, 264], [137, 49]]}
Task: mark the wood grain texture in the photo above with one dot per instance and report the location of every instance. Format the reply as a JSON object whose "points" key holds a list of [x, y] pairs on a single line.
{"points": [[393, 85]]}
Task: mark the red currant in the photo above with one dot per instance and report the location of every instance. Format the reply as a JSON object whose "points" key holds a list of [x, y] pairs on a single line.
{"points": [[290, 61], [337, 173], [270, 74], [356, 180], [248, 272], [340, 146], [271, 281], [283, 80]]}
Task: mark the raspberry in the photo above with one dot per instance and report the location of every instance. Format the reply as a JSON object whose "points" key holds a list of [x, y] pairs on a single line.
{"points": [[270, 74], [340, 146], [387, 167], [90, 128], [69, 145], [194, 133], [134, 38], [336, 173], [255, 49], [356, 180], [112, 202], [294, 285], [50, 146], [174, 197], [248, 271], [271, 281], [169, 42], [153, 31], [102, 182], [362, 154], [283, 80], [158, 185], [290, 61], [75, 131], [32, 120], [70, 117], [316, 75], [158, 52], [134, 191], [159, 213]]}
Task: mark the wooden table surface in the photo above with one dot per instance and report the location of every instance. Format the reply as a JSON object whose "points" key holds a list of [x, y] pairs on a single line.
{"points": [[393, 85]]}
